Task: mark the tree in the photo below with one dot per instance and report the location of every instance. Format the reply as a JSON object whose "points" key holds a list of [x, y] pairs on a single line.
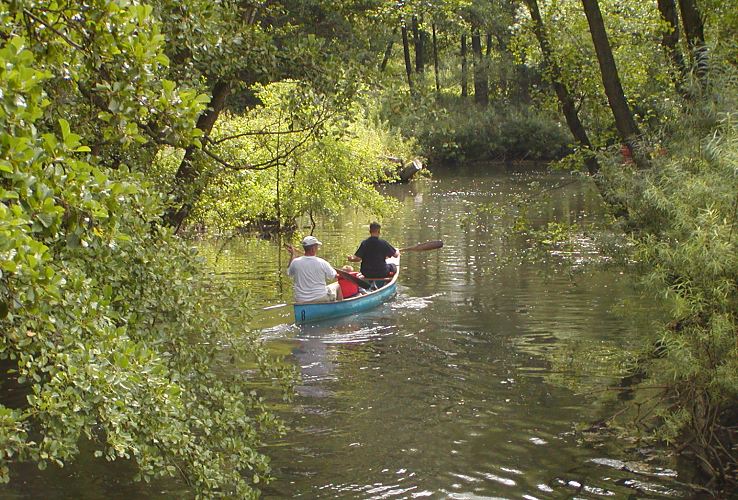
{"points": [[670, 38], [418, 44], [188, 171], [320, 171], [388, 50], [694, 32], [624, 120], [481, 83], [255, 44], [406, 53], [464, 76], [435, 60], [553, 71]]}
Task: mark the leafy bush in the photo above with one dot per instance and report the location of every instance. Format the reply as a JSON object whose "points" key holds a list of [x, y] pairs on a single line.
{"points": [[114, 331], [317, 163], [459, 131], [683, 216]]}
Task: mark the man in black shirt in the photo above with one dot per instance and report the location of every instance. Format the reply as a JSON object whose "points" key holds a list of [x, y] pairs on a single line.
{"points": [[372, 253]]}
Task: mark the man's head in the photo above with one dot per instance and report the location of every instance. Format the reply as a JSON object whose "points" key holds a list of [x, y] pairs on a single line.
{"points": [[374, 228], [310, 245]]}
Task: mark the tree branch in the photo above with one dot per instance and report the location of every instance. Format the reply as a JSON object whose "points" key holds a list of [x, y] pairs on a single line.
{"points": [[276, 160], [50, 27], [262, 132]]}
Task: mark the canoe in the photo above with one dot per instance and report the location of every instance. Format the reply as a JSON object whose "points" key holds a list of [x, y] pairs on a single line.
{"points": [[311, 312]]}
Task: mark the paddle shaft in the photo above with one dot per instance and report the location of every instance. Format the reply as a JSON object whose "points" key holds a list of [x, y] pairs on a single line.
{"points": [[273, 307]]}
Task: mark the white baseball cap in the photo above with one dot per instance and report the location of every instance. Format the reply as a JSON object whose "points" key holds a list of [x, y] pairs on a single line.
{"points": [[309, 241]]}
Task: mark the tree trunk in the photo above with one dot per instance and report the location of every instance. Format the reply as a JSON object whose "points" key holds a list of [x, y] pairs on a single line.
{"points": [[423, 45], [624, 121], [488, 50], [670, 40], [185, 180], [435, 60], [464, 76], [568, 106], [481, 86], [388, 50], [694, 31], [408, 63], [418, 42]]}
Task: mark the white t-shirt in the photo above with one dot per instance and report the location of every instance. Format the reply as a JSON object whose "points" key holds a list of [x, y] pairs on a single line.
{"points": [[309, 274]]}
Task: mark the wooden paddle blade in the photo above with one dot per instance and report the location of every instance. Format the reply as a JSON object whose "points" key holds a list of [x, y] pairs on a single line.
{"points": [[351, 277], [420, 247]]}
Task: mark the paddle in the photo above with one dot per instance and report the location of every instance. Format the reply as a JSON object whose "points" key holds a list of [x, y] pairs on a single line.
{"points": [[351, 277], [273, 307], [421, 247]]}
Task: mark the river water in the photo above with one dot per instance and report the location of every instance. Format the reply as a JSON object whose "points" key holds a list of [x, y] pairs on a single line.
{"points": [[451, 389]]}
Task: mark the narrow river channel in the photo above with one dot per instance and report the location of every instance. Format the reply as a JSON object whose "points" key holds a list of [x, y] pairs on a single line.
{"points": [[449, 390]]}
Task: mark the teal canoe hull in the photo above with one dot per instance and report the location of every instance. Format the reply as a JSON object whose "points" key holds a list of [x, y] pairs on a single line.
{"points": [[312, 312]]}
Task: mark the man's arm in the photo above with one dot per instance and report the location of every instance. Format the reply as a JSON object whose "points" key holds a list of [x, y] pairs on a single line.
{"points": [[356, 257], [330, 272], [292, 252]]}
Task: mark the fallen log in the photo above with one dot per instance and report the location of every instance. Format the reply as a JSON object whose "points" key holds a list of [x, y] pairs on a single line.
{"points": [[410, 169], [404, 171]]}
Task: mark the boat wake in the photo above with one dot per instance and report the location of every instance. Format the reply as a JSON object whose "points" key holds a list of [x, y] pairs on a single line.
{"points": [[413, 303]]}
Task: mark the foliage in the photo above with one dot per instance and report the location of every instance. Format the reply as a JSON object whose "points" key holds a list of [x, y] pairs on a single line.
{"points": [[685, 215], [245, 43], [106, 75], [633, 30], [318, 163], [235, 48], [460, 131], [112, 327], [210, 41]]}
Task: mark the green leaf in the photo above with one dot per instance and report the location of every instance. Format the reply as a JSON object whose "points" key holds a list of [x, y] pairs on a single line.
{"points": [[65, 130]]}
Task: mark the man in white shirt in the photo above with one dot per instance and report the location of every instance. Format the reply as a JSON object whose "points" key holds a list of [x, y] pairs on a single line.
{"points": [[309, 274]]}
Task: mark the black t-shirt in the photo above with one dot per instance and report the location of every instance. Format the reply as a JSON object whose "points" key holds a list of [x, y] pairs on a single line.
{"points": [[373, 251]]}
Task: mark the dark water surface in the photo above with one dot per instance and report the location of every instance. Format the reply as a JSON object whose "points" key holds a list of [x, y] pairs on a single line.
{"points": [[446, 391]]}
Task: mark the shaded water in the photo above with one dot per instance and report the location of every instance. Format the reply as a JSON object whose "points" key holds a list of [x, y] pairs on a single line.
{"points": [[448, 390]]}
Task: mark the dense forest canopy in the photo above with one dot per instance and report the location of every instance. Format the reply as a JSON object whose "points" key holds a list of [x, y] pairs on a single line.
{"points": [[127, 125]]}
